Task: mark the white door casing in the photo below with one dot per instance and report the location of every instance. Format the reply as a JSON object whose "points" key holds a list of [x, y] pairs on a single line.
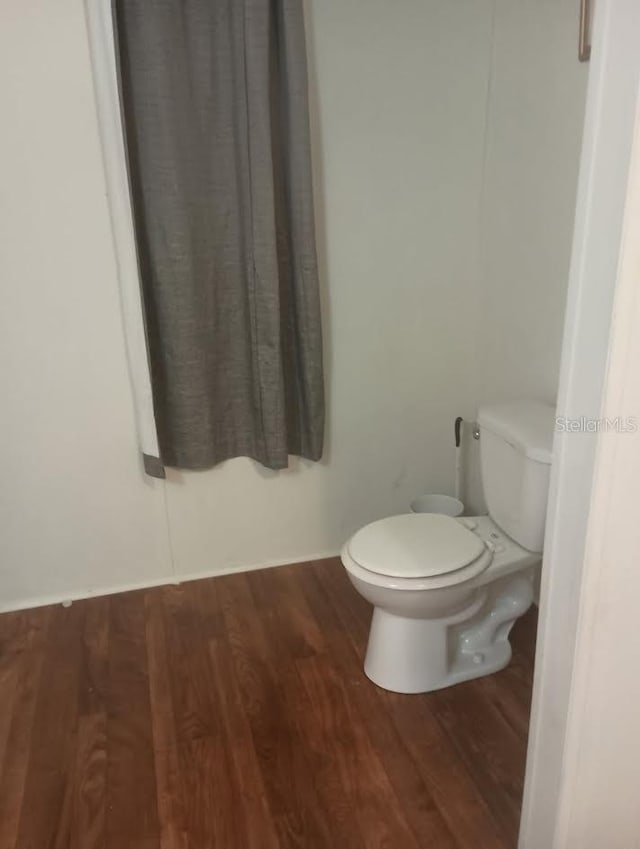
{"points": [[603, 187]]}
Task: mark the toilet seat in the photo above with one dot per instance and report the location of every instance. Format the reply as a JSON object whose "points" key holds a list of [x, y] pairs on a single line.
{"points": [[416, 551]]}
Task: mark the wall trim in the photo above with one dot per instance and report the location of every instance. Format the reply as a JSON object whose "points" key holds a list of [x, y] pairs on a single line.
{"points": [[80, 595], [102, 53]]}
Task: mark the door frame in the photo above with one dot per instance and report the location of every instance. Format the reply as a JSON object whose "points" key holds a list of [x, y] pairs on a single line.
{"points": [[591, 373]]}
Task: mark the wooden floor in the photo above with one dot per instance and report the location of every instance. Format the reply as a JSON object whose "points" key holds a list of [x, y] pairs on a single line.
{"points": [[233, 712]]}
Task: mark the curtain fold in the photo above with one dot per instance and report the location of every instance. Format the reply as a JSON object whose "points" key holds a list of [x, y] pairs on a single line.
{"points": [[214, 104]]}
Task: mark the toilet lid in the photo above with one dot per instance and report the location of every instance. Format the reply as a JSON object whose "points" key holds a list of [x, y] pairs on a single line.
{"points": [[415, 545]]}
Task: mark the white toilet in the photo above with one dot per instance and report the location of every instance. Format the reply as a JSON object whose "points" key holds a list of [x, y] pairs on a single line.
{"points": [[447, 591]]}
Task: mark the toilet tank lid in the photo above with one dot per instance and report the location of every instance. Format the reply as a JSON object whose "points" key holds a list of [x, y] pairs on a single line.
{"points": [[527, 425]]}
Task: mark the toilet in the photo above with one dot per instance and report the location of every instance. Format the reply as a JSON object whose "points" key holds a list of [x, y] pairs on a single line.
{"points": [[446, 591]]}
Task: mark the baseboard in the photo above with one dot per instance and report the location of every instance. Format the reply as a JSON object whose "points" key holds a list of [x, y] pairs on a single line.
{"points": [[69, 597]]}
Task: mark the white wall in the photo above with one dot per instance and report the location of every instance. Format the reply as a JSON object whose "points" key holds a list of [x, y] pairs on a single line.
{"points": [[400, 97], [75, 512], [534, 129], [533, 139]]}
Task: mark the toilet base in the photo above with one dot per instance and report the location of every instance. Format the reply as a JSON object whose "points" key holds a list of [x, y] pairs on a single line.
{"points": [[412, 655]]}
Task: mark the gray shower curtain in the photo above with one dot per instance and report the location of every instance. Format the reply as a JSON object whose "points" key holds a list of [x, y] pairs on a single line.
{"points": [[214, 105]]}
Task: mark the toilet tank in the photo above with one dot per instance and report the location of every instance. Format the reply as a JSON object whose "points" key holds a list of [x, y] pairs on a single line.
{"points": [[515, 457]]}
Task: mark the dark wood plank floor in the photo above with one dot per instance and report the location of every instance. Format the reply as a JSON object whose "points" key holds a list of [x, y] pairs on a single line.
{"points": [[233, 712]]}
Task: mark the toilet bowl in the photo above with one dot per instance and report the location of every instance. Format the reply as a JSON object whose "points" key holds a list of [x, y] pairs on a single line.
{"points": [[431, 629], [446, 591]]}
